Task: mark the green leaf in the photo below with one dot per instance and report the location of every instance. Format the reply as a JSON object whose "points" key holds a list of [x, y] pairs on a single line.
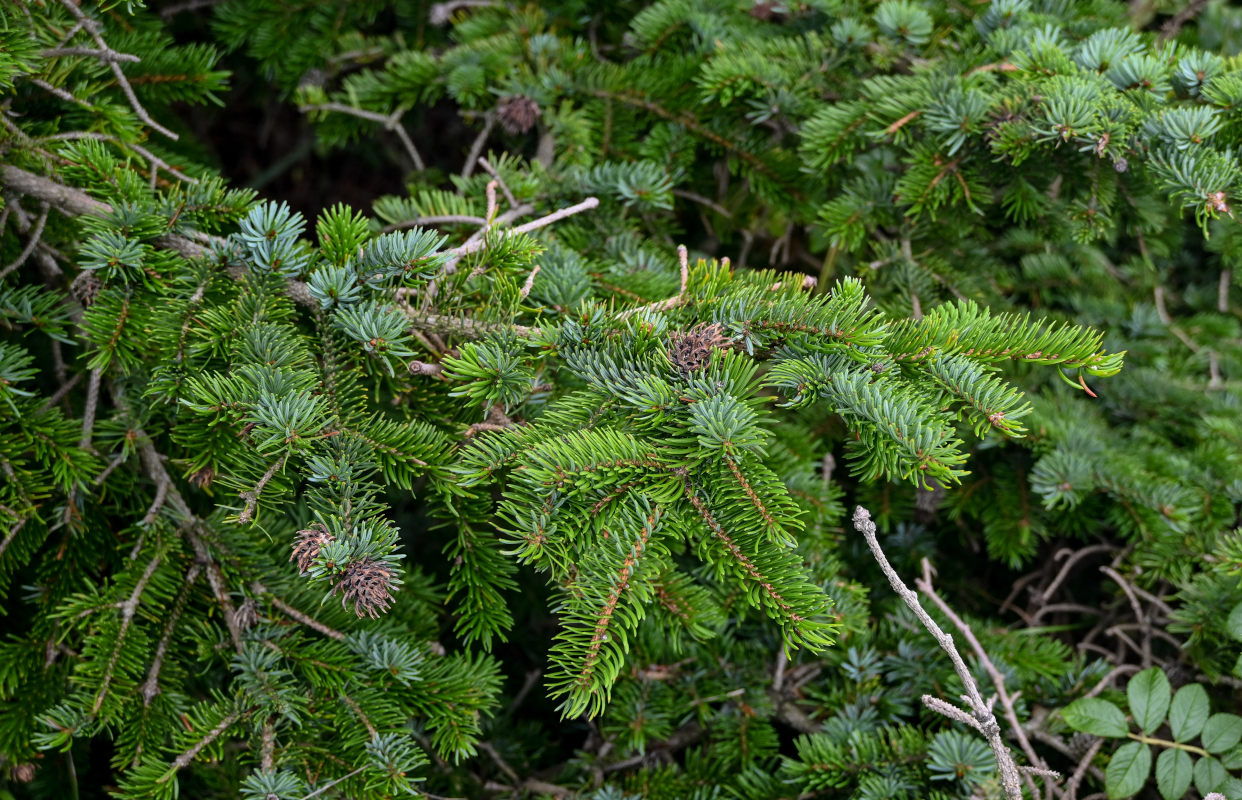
{"points": [[1127, 770], [1221, 732], [1095, 716], [1174, 771], [1149, 694], [1209, 775], [1234, 625], [1231, 788], [1189, 711], [1233, 759]]}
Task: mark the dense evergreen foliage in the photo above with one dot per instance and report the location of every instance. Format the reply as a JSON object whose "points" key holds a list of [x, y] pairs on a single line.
{"points": [[532, 478]]}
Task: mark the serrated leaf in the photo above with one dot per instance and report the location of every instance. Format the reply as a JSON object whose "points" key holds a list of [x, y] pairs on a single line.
{"points": [[1174, 772], [1127, 770], [1209, 775], [1221, 732], [1234, 625], [1149, 693], [1190, 709], [1095, 716]]}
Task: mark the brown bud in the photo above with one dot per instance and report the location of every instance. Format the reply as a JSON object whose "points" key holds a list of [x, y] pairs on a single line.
{"points": [[517, 114]]}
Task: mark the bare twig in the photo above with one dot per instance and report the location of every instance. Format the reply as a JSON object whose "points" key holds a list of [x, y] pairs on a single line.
{"points": [[252, 496], [86, 52], [332, 783], [998, 678], [442, 13], [1137, 608], [984, 720], [161, 494], [1074, 557], [390, 122], [542, 222], [683, 259], [151, 686], [704, 201], [504, 187], [156, 161], [530, 282], [31, 243], [182, 761], [445, 219], [476, 147], [1084, 763], [293, 613], [1171, 28], [112, 57], [128, 608], [88, 413]]}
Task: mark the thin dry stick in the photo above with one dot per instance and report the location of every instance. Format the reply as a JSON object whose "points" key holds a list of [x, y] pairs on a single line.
{"points": [[151, 686], [504, 187], [1121, 669], [31, 243], [391, 123], [530, 282], [128, 608], [86, 52], [1074, 557], [92, 27], [998, 679], [92, 404], [156, 161], [182, 761], [476, 148], [982, 719], [1145, 649], [444, 219], [542, 222], [292, 612], [330, 784], [252, 496], [683, 258]]}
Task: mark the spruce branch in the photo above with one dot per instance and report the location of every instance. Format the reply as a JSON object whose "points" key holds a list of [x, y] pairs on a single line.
{"points": [[980, 716], [151, 686], [182, 761], [112, 58], [128, 609], [156, 162]]}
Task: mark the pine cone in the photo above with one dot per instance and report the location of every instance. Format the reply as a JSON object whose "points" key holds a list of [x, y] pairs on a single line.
{"points": [[22, 773], [85, 288], [692, 351], [366, 584], [517, 114], [309, 542]]}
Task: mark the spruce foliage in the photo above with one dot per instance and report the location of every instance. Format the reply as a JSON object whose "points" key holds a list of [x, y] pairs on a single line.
{"points": [[493, 488]]}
